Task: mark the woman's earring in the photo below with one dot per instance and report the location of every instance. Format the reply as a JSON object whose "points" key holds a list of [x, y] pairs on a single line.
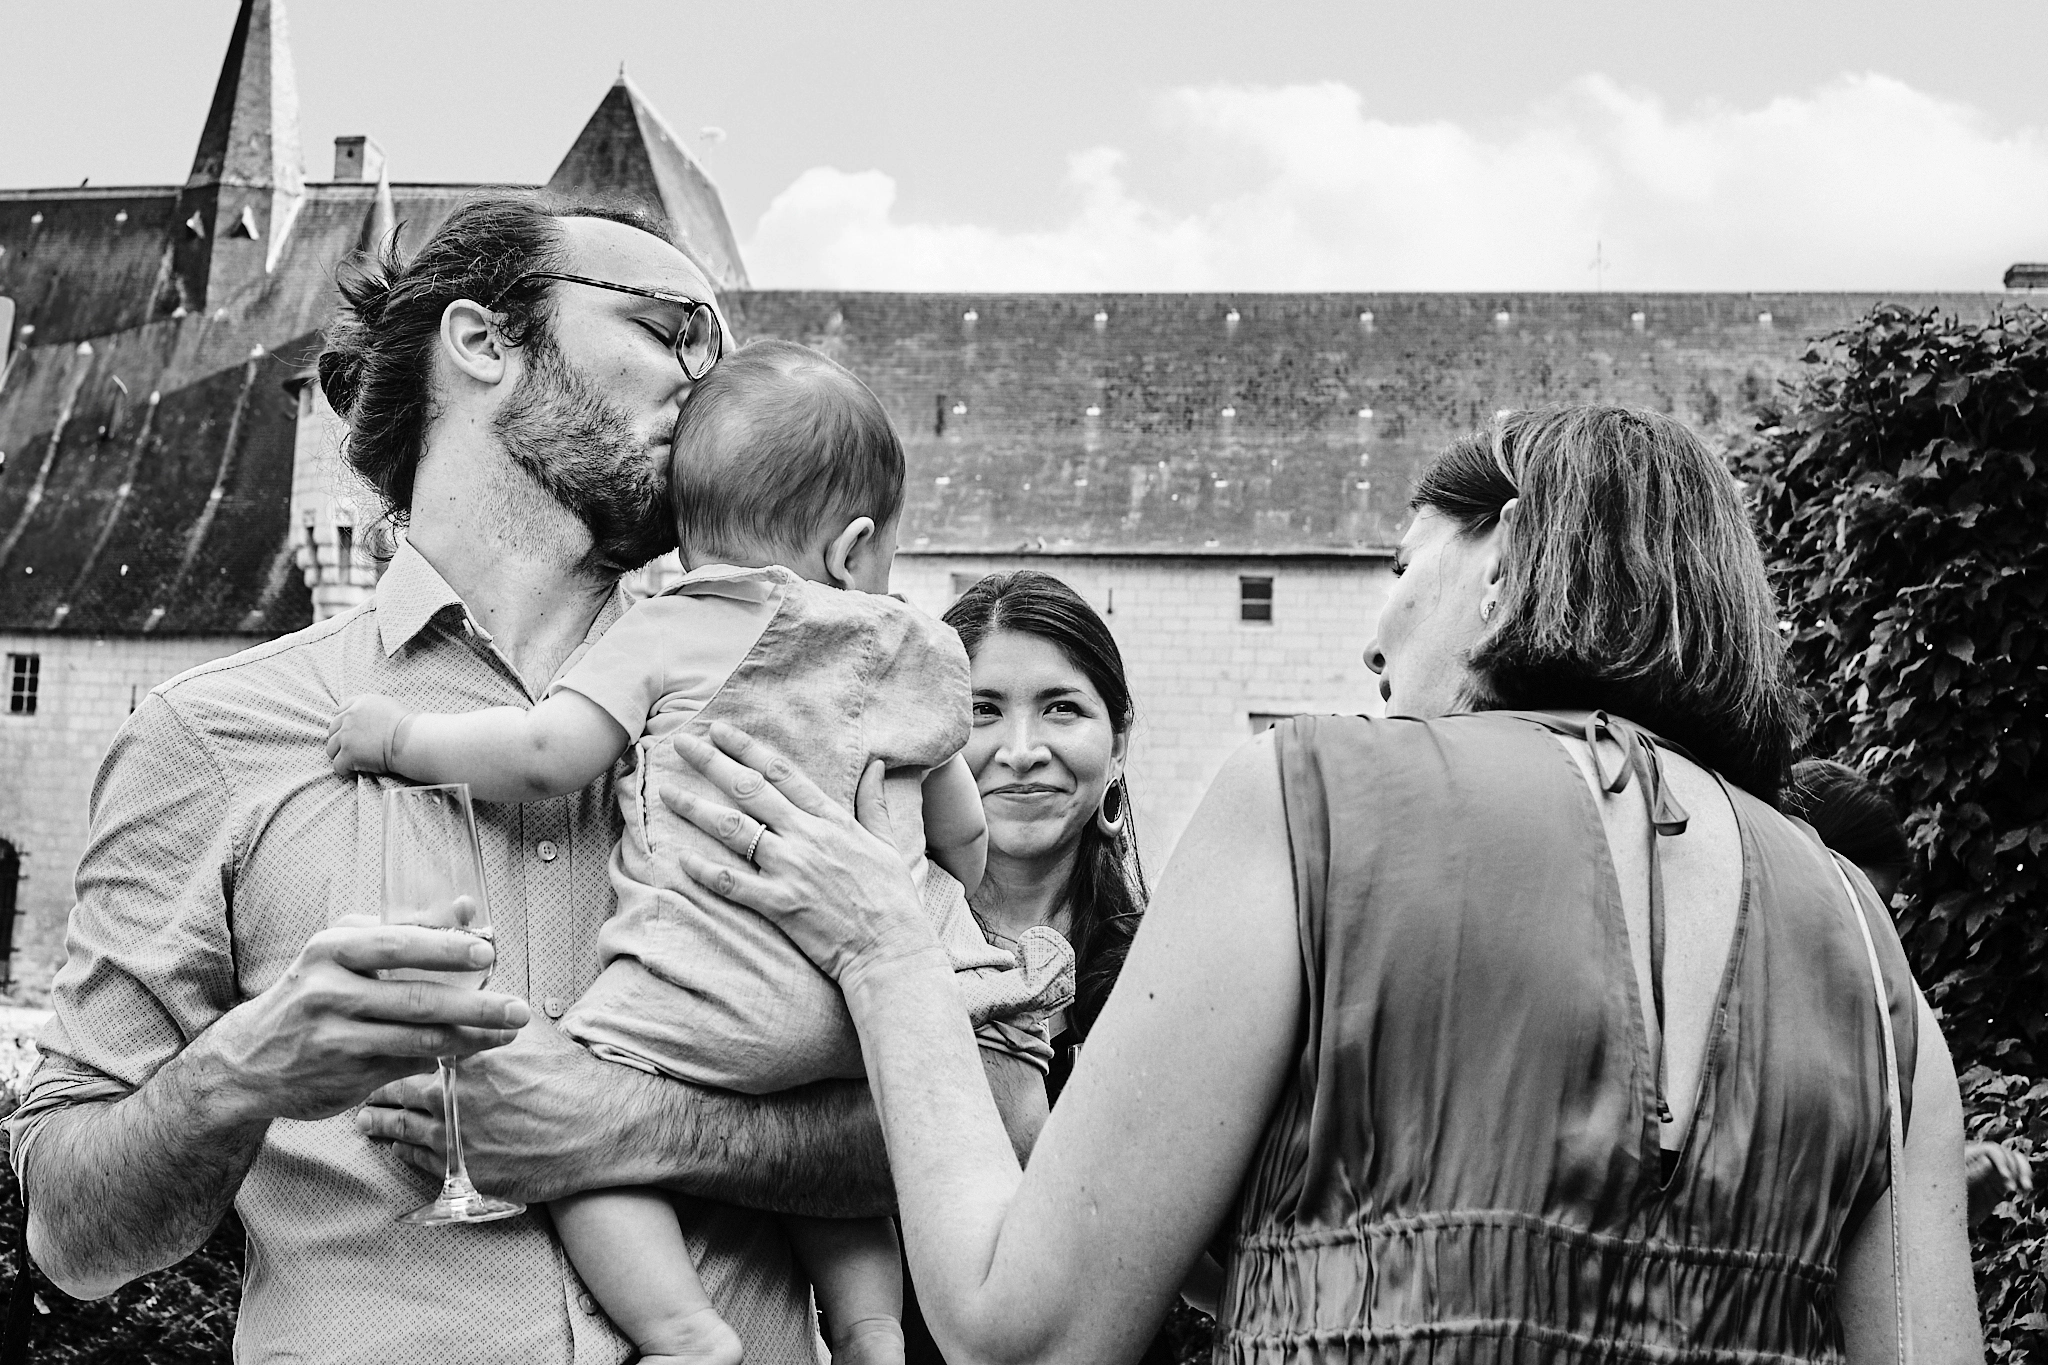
{"points": [[1109, 815]]}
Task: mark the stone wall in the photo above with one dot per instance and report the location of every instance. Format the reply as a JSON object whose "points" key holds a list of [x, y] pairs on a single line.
{"points": [[1202, 678], [1199, 674], [87, 685]]}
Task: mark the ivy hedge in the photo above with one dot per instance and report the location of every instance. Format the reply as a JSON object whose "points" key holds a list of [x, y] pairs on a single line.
{"points": [[1904, 505], [1902, 492]]}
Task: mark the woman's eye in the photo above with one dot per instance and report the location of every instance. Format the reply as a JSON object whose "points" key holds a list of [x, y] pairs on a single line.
{"points": [[986, 711], [1063, 708]]}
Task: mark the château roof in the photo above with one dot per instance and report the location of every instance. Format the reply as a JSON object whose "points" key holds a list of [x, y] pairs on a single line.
{"points": [[628, 149], [1260, 424], [146, 464], [146, 437], [145, 434]]}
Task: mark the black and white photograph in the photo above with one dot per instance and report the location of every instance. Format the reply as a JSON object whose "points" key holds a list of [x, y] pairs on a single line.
{"points": [[1350, 683]]}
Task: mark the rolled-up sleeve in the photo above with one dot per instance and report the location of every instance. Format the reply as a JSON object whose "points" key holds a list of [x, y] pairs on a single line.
{"points": [[149, 962]]}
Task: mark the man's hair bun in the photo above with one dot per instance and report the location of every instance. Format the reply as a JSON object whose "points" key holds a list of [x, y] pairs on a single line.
{"points": [[341, 377], [365, 282]]}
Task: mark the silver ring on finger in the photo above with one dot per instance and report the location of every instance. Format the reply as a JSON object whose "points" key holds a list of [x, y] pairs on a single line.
{"points": [[759, 830]]}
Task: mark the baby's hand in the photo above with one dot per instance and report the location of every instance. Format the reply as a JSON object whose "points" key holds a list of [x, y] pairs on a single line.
{"points": [[363, 735]]}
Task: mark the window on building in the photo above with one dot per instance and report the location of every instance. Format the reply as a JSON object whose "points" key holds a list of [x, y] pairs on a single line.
{"points": [[959, 583], [1255, 599], [24, 672], [1263, 721]]}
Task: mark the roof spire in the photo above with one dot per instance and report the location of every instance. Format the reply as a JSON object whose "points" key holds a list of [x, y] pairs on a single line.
{"points": [[248, 172], [252, 128], [628, 150]]}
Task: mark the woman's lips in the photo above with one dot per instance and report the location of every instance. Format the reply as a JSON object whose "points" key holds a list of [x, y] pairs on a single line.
{"points": [[1023, 790]]}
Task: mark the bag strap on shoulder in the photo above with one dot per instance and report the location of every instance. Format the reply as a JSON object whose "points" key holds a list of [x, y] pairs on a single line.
{"points": [[1895, 1117]]}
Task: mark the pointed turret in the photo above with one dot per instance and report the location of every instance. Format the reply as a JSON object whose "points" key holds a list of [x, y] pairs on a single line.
{"points": [[248, 180], [628, 151]]}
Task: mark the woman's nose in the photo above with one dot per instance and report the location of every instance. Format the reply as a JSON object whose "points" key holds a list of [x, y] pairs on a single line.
{"points": [[1375, 657], [1022, 749]]}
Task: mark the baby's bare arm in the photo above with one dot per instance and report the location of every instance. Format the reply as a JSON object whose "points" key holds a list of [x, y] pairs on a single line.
{"points": [[505, 754], [955, 830]]}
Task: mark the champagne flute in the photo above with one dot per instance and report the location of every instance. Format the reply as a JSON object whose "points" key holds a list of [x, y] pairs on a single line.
{"points": [[434, 879]]}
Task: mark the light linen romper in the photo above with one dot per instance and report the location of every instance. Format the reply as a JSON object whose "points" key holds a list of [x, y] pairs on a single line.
{"points": [[702, 989]]}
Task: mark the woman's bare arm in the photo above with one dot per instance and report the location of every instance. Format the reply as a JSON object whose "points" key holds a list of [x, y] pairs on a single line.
{"points": [[1078, 1258], [1941, 1297]]}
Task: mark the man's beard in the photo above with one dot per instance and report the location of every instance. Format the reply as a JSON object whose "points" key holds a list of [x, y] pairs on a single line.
{"points": [[581, 448]]}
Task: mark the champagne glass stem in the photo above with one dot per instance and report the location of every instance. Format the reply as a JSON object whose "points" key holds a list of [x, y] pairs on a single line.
{"points": [[457, 1180]]}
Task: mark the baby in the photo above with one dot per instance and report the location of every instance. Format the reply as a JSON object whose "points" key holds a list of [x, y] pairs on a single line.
{"points": [[786, 480]]}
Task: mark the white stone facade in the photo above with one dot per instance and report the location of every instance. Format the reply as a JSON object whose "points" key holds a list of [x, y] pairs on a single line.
{"points": [[86, 686], [1201, 677]]}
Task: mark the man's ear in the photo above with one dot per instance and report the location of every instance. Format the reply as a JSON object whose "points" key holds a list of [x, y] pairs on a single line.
{"points": [[1496, 550], [469, 336], [843, 554]]}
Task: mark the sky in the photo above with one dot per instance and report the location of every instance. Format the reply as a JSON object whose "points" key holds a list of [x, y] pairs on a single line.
{"points": [[1066, 145]]}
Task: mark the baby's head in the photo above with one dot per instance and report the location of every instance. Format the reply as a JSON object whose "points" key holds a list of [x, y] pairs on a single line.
{"points": [[783, 457]]}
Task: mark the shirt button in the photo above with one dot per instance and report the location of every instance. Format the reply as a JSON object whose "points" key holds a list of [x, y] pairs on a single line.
{"points": [[553, 1006], [547, 850], [586, 1303]]}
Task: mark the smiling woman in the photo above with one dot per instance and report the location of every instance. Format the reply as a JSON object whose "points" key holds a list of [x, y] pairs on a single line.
{"points": [[1052, 722], [1052, 725]]}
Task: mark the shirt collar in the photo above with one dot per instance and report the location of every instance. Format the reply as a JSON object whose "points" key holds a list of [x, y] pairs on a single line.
{"points": [[730, 580], [412, 594]]}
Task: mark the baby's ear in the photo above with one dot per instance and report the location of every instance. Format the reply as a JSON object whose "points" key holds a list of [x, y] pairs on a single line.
{"points": [[844, 553]]}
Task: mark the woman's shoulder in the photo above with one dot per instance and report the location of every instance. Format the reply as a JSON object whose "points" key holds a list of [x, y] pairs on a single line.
{"points": [[1397, 736], [1399, 769]]}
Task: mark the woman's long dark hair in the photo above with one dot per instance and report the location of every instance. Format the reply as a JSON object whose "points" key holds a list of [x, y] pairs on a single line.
{"points": [[1106, 892]]}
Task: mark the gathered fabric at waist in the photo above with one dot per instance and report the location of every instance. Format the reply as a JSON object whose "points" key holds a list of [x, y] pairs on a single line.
{"points": [[1505, 1285]]}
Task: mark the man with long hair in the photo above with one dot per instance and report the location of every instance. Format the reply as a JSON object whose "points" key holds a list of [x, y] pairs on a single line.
{"points": [[512, 390]]}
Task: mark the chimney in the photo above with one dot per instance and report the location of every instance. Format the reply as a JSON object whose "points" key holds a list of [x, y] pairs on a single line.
{"points": [[358, 158]]}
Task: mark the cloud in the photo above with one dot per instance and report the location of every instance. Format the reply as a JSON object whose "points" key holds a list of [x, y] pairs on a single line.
{"points": [[1864, 183]]}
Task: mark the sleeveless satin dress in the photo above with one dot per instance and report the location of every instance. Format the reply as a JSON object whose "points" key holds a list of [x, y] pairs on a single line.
{"points": [[1466, 1164]]}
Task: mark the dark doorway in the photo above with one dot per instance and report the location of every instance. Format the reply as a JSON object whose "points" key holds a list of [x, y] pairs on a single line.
{"points": [[10, 879]]}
